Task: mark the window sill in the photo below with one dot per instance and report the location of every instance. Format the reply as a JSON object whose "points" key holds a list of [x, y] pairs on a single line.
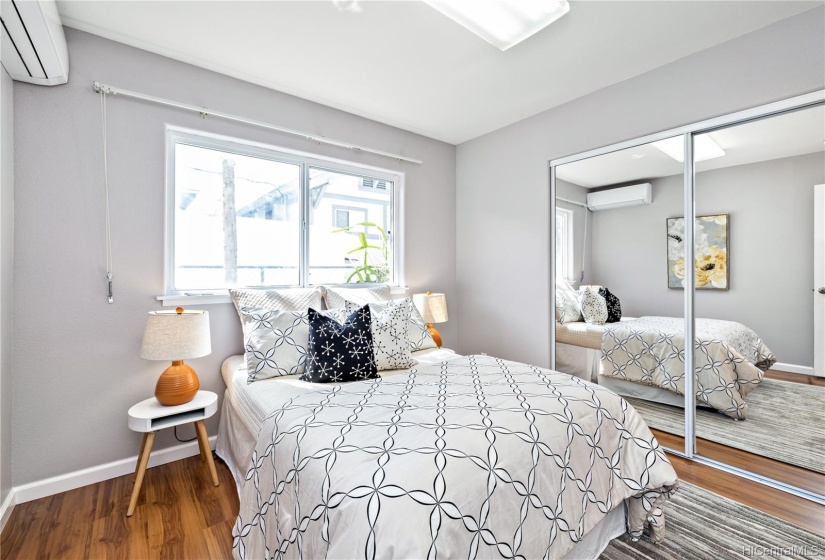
{"points": [[175, 300]]}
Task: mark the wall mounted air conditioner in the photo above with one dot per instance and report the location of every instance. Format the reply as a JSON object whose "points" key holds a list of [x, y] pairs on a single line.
{"points": [[632, 195], [33, 46]]}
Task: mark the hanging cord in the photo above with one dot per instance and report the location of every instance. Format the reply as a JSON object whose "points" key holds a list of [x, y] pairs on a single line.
{"points": [[183, 440], [107, 227], [584, 246]]}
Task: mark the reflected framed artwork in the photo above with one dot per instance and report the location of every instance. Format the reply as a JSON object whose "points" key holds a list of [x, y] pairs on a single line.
{"points": [[711, 263]]}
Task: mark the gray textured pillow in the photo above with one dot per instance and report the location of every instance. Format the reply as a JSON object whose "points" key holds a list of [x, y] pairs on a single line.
{"points": [[287, 299], [594, 306], [275, 341], [336, 298]]}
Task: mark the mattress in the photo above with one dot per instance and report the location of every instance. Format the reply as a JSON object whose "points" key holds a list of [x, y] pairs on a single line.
{"points": [[253, 401], [582, 334]]}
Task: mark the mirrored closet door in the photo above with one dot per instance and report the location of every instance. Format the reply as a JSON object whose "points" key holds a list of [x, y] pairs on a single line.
{"points": [[760, 209], [619, 310], [715, 233]]}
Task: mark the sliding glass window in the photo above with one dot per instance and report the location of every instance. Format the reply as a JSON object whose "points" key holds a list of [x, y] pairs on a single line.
{"points": [[241, 215]]}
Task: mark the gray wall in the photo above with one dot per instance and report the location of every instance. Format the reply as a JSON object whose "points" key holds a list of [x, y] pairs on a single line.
{"points": [[76, 368], [6, 276], [502, 178], [770, 250]]}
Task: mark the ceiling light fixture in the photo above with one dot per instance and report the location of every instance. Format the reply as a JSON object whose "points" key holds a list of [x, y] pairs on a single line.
{"points": [[503, 23], [703, 148]]}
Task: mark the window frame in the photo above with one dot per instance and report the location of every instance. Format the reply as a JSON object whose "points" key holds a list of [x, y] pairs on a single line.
{"points": [[305, 160], [568, 247]]}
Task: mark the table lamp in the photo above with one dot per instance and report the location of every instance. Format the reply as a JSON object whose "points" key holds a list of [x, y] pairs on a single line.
{"points": [[176, 335], [433, 309]]}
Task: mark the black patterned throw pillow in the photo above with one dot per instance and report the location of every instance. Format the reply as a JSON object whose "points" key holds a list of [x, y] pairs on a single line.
{"points": [[339, 351], [614, 307]]}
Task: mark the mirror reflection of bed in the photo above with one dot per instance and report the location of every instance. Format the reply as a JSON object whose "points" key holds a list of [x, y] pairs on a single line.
{"points": [[759, 379]]}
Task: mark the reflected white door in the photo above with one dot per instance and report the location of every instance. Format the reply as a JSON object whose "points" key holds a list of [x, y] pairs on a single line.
{"points": [[819, 280]]}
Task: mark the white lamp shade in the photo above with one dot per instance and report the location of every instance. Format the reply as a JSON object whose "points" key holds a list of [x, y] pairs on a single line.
{"points": [[433, 307], [170, 335]]}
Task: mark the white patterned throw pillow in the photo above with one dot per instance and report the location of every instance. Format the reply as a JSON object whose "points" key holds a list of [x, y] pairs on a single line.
{"points": [[594, 306], [275, 341], [288, 299], [568, 305], [390, 333], [418, 336]]}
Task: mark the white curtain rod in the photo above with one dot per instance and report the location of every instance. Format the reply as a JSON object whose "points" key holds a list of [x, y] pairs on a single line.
{"points": [[571, 201], [204, 112]]}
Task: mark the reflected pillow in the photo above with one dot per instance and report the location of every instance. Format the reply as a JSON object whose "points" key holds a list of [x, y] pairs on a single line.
{"points": [[593, 306], [568, 306], [614, 307]]}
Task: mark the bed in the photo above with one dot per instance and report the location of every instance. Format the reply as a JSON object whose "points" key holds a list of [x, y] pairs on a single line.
{"points": [[644, 358], [459, 456]]}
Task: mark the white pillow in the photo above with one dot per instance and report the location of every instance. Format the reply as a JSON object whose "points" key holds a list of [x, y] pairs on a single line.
{"points": [[418, 336], [568, 305], [593, 305], [390, 327], [336, 298], [275, 341], [288, 299]]}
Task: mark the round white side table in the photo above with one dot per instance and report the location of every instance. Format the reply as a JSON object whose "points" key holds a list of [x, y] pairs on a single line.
{"points": [[149, 416]]}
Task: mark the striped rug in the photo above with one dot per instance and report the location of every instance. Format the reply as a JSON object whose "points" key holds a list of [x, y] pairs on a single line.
{"points": [[786, 422], [702, 525]]}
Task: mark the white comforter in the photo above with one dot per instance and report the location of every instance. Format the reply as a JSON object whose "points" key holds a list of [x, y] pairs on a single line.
{"points": [[473, 457]]}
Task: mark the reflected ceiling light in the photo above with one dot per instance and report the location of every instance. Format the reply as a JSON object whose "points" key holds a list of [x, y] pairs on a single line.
{"points": [[637, 156], [503, 23], [703, 148]]}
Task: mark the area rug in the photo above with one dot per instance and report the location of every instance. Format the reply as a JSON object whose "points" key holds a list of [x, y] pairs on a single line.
{"points": [[703, 525], [786, 422]]}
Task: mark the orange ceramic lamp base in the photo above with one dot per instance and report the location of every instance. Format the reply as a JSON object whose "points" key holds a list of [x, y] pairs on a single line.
{"points": [[435, 334], [177, 385]]}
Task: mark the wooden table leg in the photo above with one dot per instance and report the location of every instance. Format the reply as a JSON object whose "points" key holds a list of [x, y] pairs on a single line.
{"points": [[141, 470], [140, 455], [203, 439], [203, 450]]}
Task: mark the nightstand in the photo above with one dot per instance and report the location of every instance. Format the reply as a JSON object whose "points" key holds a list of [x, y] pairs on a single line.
{"points": [[149, 416]]}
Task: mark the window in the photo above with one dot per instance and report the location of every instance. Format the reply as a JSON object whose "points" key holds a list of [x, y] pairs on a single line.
{"points": [[564, 244], [242, 215]]}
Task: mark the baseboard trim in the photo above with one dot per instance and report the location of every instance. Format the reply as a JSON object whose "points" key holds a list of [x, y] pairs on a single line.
{"points": [[6, 509], [792, 368], [84, 477]]}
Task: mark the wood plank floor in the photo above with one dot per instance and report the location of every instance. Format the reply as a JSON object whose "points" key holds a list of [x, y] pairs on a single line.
{"points": [[770, 468], [181, 515], [795, 377]]}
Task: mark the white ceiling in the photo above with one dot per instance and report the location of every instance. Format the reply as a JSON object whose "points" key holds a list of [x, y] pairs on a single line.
{"points": [[405, 64], [791, 134]]}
